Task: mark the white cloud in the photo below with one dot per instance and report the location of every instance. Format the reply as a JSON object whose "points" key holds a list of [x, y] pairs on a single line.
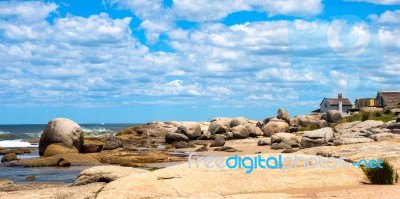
{"points": [[26, 11]]}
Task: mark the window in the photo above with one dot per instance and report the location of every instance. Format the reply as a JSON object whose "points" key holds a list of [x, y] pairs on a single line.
{"points": [[326, 106]]}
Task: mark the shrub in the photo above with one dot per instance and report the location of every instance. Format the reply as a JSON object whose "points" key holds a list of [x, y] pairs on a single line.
{"points": [[378, 114], [385, 175], [386, 111], [364, 116]]}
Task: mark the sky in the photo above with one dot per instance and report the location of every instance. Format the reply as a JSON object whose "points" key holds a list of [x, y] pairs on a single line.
{"points": [[134, 61]]}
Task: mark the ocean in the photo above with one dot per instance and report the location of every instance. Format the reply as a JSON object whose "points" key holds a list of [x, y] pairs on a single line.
{"points": [[12, 135]]}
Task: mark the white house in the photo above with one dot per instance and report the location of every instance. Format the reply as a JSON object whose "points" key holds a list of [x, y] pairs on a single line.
{"points": [[339, 103]]}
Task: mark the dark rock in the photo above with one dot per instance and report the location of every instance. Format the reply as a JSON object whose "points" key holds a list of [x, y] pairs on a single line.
{"points": [[30, 178], [92, 148], [174, 137], [112, 142], [9, 157], [181, 145], [202, 149], [394, 126], [232, 150], [219, 141], [290, 150], [205, 137], [398, 118], [61, 130], [224, 148], [63, 163], [129, 147]]}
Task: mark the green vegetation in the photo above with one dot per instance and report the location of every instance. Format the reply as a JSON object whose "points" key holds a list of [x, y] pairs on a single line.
{"points": [[309, 127], [363, 116], [398, 105], [385, 175], [154, 168]]}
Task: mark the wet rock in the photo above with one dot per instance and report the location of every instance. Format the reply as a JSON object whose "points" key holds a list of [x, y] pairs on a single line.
{"points": [[30, 178], [59, 148], [129, 147], [202, 149], [112, 142], [290, 150], [92, 148], [9, 157], [182, 145], [61, 130], [232, 150]]}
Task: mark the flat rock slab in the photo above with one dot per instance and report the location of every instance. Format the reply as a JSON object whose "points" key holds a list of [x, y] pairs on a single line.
{"points": [[181, 181]]}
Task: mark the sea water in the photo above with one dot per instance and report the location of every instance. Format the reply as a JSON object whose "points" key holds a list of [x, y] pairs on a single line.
{"points": [[13, 136]]}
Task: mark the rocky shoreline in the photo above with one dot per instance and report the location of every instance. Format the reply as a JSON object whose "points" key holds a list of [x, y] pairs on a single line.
{"points": [[62, 145]]}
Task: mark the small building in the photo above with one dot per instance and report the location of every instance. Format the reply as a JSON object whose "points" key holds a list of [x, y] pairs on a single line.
{"points": [[334, 104], [365, 102], [388, 98]]}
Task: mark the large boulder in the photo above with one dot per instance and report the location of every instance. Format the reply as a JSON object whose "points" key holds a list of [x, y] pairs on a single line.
{"points": [[9, 157], [104, 174], [112, 142], [61, 130], [395, 111], [59, 148], [254, 130], [333, 116], [283, 115], [240, 132], [306, 120], [219, 126], [284, 141], [174, 137], [191, 129], [318, 137], [238, 121], [272, 128]]}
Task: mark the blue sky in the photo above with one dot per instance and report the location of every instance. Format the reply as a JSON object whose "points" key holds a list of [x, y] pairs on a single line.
{"points": [[138, 61]]}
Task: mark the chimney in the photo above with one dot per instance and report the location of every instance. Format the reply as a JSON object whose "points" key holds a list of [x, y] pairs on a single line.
{"points": [[340, 103]]}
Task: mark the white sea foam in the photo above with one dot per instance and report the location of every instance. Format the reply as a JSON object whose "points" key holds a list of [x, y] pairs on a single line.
{"points": [[16, 143]]}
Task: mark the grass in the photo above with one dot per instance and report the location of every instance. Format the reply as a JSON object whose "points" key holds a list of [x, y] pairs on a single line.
{"points": [[385, 175], [363, 116]]}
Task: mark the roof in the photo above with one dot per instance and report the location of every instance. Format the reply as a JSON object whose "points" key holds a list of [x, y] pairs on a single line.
{"points": [[391, 98], [335, 101]]}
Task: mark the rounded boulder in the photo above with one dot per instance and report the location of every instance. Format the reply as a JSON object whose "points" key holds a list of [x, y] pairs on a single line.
{"points": [[61, 130]]}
